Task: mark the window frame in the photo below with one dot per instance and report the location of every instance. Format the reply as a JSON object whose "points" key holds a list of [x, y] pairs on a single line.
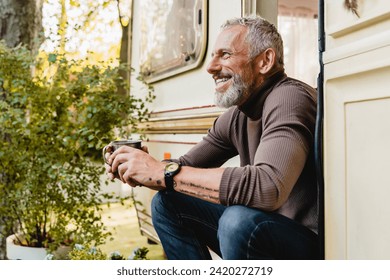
{"points": [[186, 61]]}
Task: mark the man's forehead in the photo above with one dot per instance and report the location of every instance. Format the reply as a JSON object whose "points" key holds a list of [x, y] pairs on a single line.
{"points": [[231, 38]]}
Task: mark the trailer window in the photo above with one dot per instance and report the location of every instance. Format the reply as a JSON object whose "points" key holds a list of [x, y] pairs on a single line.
{"points": [[173, 37], [298, 25]]}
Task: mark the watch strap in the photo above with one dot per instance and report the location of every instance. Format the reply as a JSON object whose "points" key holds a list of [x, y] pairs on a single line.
{"points": [[169, 183], [168, 176]]}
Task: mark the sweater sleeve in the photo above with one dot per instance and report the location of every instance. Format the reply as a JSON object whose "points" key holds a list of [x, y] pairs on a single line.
{"points": [[215, 148], [288, 122]]}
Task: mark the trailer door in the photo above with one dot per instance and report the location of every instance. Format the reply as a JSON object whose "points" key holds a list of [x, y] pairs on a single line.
{"points": [[357, 129]]}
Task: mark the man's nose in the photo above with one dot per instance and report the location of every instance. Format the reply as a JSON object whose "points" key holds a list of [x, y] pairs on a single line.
{"points": [[213, 66]]}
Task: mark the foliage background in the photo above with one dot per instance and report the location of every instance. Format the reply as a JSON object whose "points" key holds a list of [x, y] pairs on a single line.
{"points": [[65, 98], [54, 126]]}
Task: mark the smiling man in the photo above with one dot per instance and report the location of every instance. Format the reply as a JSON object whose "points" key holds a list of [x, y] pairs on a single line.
{"points": [[267, 207]]}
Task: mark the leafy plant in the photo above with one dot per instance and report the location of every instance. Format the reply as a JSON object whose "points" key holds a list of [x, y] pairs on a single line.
{"points": [[55, 116], [139, 254], [87, 252]]}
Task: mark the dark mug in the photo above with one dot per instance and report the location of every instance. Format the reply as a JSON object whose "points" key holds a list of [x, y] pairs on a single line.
{"points": [[114, 145]]}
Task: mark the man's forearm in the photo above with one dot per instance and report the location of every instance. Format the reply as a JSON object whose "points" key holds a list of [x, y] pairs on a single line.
{"points": [[200, 183]]}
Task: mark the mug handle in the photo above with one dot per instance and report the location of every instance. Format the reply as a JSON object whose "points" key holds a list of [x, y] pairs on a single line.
{"points": [[104, 153]]}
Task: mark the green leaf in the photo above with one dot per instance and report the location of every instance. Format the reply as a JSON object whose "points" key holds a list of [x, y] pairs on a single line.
{"points": [[52, 57]]}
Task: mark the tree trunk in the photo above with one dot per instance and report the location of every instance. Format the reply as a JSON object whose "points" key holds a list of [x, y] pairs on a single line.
{"points": [[20, 23], [63, 22], [124, 50], [124, 56]]}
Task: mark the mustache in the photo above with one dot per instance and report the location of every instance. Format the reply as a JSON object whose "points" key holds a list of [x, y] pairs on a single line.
{"points": [[223, 74]]}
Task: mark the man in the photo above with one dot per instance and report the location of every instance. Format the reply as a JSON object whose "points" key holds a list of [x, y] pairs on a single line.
{"points": [[267, 207]]}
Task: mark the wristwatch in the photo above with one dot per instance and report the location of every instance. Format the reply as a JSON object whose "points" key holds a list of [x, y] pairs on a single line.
{"points": [[170, 170]]}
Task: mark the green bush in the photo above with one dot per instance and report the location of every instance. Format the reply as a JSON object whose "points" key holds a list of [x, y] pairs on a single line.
{"points": [[55, 117]]}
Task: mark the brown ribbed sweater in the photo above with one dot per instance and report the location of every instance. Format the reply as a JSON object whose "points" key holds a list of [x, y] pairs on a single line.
{"points": [[273, 135]]}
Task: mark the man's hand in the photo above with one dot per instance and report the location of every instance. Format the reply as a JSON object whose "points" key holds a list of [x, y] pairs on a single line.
{"points": [[135, 167]]}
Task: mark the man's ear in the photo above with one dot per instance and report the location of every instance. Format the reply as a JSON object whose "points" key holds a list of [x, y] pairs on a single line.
{"points": [[266, 61]]}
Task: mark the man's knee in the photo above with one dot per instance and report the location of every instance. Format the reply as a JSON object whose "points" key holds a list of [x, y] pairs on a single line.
{"points": [[230, 220], [236, 221], [238, 217]]}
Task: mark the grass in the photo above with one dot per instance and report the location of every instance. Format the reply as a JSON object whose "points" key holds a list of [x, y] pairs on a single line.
{"points": [[121, 220]]}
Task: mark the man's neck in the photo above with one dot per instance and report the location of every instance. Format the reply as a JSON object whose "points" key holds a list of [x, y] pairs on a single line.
{"points": [[252, 107]]}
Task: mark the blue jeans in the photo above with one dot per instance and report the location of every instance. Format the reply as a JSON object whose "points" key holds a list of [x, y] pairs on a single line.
{"points": [[188, 226]]}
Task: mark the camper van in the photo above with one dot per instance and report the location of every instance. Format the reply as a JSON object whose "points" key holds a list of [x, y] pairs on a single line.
{"points": [[340, 47]]}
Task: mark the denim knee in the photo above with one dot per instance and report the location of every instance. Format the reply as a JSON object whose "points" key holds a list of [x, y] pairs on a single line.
{"points": [[230, 221], [235, 224]]}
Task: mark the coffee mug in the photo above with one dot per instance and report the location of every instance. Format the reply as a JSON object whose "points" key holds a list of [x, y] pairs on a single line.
{"points": [[114, 145]]}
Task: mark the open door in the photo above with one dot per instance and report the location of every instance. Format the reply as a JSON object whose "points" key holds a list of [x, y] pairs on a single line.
{"points": [[357, 129]]}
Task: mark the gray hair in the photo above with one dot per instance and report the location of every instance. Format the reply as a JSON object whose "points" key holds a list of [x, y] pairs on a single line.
{"points": [[261, 36]]}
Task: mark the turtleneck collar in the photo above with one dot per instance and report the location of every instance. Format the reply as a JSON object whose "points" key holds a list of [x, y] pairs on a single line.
{"points": [[253, 106]]}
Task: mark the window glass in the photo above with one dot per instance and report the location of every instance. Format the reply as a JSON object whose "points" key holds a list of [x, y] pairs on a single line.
{"points": [[298, 26], [173, 37]]}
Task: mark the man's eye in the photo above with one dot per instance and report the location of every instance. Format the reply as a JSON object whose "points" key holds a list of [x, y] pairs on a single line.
{"points": [[225, 54]]}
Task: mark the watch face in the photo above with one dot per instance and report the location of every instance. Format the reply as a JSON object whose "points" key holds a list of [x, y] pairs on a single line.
{"points": [[171, 167]]}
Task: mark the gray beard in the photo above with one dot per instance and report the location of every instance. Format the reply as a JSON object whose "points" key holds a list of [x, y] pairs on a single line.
{"points": [[232, 96]]}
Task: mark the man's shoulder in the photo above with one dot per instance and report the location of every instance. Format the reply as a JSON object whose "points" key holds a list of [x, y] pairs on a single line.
{"points": [[292, 84], [291, 95], [293, 88]]}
